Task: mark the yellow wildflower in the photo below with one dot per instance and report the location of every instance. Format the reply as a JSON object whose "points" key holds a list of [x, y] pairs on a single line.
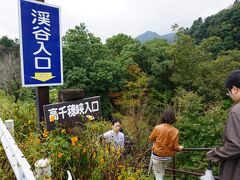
{"points": [[122, 167], [106, 151], [94, 155], [90, 118], [131, 178], [112, 149], [29, 121], [38, 141], [31, 135], [118, 151], [138, 171], [45, 133], [74, 140], [63, 131]]}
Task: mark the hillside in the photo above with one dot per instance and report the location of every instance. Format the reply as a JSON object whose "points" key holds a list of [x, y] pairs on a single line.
{"points": [[149, 35], [225, 25]]}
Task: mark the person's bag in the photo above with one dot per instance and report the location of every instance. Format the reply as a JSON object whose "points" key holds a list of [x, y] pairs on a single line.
{"points": [[208, 173]]}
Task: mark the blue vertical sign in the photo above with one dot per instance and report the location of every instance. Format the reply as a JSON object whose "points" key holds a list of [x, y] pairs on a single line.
{"points": [[41, 47]]}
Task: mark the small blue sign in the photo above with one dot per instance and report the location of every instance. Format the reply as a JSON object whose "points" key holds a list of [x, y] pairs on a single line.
{"points": [[41, 46]]}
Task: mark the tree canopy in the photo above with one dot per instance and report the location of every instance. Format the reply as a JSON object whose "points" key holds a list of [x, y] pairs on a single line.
{"points": [[224, 25]]}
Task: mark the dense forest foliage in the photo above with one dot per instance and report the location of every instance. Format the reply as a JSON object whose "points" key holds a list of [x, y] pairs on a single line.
{"points": [[138, 81], [224, 25]]}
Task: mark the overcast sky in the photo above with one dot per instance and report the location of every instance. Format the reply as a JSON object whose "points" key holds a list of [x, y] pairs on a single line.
{"points": [[105, 18]]}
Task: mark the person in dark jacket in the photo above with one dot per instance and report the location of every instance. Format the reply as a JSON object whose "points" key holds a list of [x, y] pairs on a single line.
{"points": [[229, 153]]}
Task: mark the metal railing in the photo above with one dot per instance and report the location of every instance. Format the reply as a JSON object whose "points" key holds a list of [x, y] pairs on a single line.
{"points": [[174, 170], [19, 164]]}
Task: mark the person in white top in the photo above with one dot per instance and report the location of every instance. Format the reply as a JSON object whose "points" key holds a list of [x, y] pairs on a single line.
{"points": [[114, 136]]}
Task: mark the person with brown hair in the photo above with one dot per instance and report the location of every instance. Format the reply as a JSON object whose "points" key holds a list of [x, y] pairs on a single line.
{"points": [[165, 140]]}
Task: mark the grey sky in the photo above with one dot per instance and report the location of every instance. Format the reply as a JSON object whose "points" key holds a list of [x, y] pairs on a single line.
{"points": [[105, 18]]}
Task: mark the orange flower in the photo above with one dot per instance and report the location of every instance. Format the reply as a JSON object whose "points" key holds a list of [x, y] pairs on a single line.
{"points": [[60, 155], [21, 145], [132, 178], [101, 160], [52, 118], [74, 140], [119, 178]]}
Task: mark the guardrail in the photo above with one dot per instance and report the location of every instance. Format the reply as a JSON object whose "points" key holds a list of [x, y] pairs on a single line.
{"points": [[174, 170], [19, 164]]}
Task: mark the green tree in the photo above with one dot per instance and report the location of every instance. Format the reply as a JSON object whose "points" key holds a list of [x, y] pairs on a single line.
{"points": [[107, 76], [8, 45], [81, 52], [77, 77], [132, 102], [81, 48], [224, 25], [90, 65], [7, 42], [211, 46], [186, 57], [159, 64], [196, 30], [116, 43], [211, 76], [200, 125]]}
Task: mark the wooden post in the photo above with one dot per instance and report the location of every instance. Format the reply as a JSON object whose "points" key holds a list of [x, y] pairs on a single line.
{"points": [[42, 98], [43, 169]]}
